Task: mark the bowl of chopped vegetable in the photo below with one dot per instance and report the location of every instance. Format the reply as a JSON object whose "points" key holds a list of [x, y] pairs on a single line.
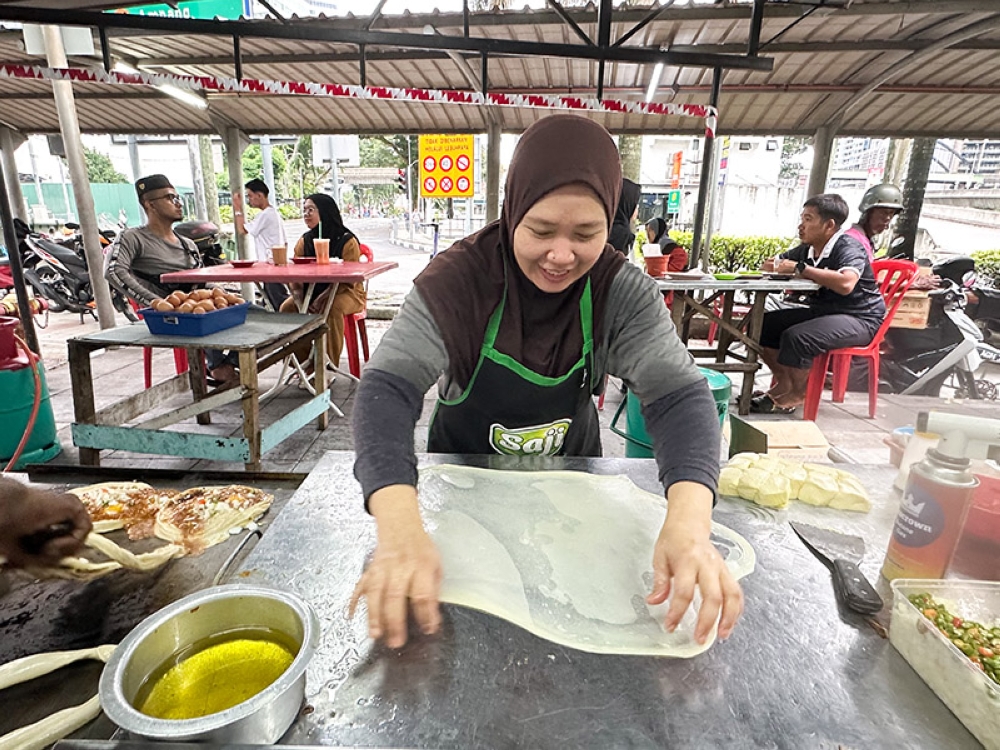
{"points": [[949, 632]]}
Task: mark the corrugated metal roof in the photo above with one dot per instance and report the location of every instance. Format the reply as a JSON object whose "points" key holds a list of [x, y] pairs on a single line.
{"points": [[820, 62]]}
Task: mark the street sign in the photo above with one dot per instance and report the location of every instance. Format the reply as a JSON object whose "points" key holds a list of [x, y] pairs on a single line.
{"points": [[446, 166], [674, 202], [203, 9]]}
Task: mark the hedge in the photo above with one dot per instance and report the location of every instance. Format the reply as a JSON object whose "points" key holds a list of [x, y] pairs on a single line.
{"points": [[736, 253], [987, 265]]}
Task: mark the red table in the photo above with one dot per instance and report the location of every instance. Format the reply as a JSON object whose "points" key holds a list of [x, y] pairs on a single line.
{"points": [[262, 272], [301, 273]]}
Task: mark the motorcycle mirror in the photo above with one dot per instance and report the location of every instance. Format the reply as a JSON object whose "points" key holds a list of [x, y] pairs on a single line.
{"points": [[72, 225]]}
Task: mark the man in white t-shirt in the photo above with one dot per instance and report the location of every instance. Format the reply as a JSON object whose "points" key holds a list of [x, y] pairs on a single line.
{"points": [[266, 230]]}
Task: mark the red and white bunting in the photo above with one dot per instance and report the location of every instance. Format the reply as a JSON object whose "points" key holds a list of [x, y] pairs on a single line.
{"points": [[295, 88]]}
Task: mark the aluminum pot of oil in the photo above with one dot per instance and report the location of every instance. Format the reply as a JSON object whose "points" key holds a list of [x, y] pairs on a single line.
{"points": [[227, 664]]}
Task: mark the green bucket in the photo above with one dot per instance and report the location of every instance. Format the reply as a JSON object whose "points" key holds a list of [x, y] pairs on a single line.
{"points": [[638, 443], [18, 389]]}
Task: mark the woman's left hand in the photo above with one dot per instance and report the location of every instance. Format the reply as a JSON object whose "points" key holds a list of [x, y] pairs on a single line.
{"points": [[685, 556]]}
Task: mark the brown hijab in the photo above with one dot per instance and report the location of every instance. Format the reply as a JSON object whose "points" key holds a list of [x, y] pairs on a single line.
{"points": [[463, 286]]}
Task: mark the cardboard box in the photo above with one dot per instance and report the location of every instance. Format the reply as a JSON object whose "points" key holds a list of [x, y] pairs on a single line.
{"points": [[797, 439], [913, 311]]}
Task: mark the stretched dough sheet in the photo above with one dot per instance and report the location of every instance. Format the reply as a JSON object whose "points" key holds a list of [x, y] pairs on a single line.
{"points": [[565, 555]]}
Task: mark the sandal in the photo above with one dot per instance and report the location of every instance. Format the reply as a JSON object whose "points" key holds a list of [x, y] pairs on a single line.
{"points": [[765, 405]]}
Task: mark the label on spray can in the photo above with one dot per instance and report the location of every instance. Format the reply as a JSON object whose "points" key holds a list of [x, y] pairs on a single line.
{"points": [[930, 519], [920, 520]]}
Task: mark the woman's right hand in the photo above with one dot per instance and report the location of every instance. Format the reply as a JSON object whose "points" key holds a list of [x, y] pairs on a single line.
{"points": [[405, 571]]}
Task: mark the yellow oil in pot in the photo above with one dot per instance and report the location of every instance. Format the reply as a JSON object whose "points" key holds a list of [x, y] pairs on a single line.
{"points": [[216, 673]]}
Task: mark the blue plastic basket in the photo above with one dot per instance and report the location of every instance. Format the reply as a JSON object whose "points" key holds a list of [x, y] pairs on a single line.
{"points": [[194, 324]]}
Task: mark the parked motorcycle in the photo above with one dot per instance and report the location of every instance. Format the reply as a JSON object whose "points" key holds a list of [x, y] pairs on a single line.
{"points": [[56, 272], [205, 235], [920, 361]]}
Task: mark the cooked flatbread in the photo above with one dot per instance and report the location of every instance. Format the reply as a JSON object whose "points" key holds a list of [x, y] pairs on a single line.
{"points": [[129, 505], [202, 516], [80, 568]]}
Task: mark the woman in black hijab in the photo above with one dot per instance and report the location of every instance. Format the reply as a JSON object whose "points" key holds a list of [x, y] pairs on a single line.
{"points": [[323, 219], [621, 237], [518, 324]]}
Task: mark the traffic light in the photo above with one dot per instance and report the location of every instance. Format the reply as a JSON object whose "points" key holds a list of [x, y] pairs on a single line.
{"points": [[401, 180]]}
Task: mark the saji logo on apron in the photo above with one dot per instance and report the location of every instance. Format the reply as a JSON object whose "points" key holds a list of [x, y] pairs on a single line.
{"points": [[540, 440]]}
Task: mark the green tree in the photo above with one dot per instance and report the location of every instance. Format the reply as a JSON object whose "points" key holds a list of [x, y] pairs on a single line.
{"points": [[301, 177], [388, 151], [792, 147], [100, 168], [253, 166]]}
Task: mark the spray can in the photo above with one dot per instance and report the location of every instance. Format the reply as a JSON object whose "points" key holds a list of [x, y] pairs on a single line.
{"points": [[932, 512]]}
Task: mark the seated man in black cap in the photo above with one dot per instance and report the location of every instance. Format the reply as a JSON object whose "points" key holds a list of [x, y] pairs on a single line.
{"points": [[139, 255]]}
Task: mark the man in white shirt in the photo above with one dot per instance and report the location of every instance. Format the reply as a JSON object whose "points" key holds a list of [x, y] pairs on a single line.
{"points": [[266, 230]]}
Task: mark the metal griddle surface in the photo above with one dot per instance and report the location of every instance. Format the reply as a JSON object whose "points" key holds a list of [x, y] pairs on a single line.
{"points": [[57, 615]]}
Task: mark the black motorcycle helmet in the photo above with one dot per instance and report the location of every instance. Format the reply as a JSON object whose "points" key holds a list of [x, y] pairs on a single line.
{"points": [[956, 269], [200, 232]]}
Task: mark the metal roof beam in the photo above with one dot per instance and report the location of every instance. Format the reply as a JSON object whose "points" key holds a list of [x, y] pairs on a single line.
{"points": [[647, 19], [568, 20], [393, 55], [970, 31], [319, 32], [375, 15]]}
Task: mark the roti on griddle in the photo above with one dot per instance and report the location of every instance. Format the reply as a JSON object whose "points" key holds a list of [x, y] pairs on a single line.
{"points": [[202, 516], [129, 505]]}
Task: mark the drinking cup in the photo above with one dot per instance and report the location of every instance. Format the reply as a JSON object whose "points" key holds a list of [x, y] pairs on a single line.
{"points": [[322, 250], [279, 254]]}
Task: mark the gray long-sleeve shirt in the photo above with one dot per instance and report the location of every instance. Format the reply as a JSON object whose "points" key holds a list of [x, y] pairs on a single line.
{"points": [[638, 344], [138, 255]]}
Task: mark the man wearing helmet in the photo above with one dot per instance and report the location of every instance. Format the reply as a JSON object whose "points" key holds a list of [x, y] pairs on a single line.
{"points": [[879, 206]]}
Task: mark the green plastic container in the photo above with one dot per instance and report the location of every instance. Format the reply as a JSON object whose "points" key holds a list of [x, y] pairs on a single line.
{"points": [[18, 394], [638, 443]]}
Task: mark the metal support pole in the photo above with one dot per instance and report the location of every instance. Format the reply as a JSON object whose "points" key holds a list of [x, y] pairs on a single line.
{"points": [[105, 49], [237, 57], [756, 21], [235, 143], [208, 179], [409, 184], [70, 126], [493, 136], [266, 160], [133, 157], [36, 177], [9, 142], [705, 187], [822, 152], [197, 179], [362, 64], [70, 214], [16, 270]]}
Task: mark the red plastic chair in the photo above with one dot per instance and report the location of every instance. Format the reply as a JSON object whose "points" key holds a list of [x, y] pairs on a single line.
{"points": [[713, 327], [180, 355], [354, 326], [895, 278]]}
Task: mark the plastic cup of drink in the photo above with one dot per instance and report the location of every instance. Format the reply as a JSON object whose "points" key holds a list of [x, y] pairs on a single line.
{"points": [[322, 250], [279, 253]]}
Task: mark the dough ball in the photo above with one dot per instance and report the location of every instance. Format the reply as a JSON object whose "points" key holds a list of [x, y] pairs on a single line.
{"points": [[729, 481]]}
